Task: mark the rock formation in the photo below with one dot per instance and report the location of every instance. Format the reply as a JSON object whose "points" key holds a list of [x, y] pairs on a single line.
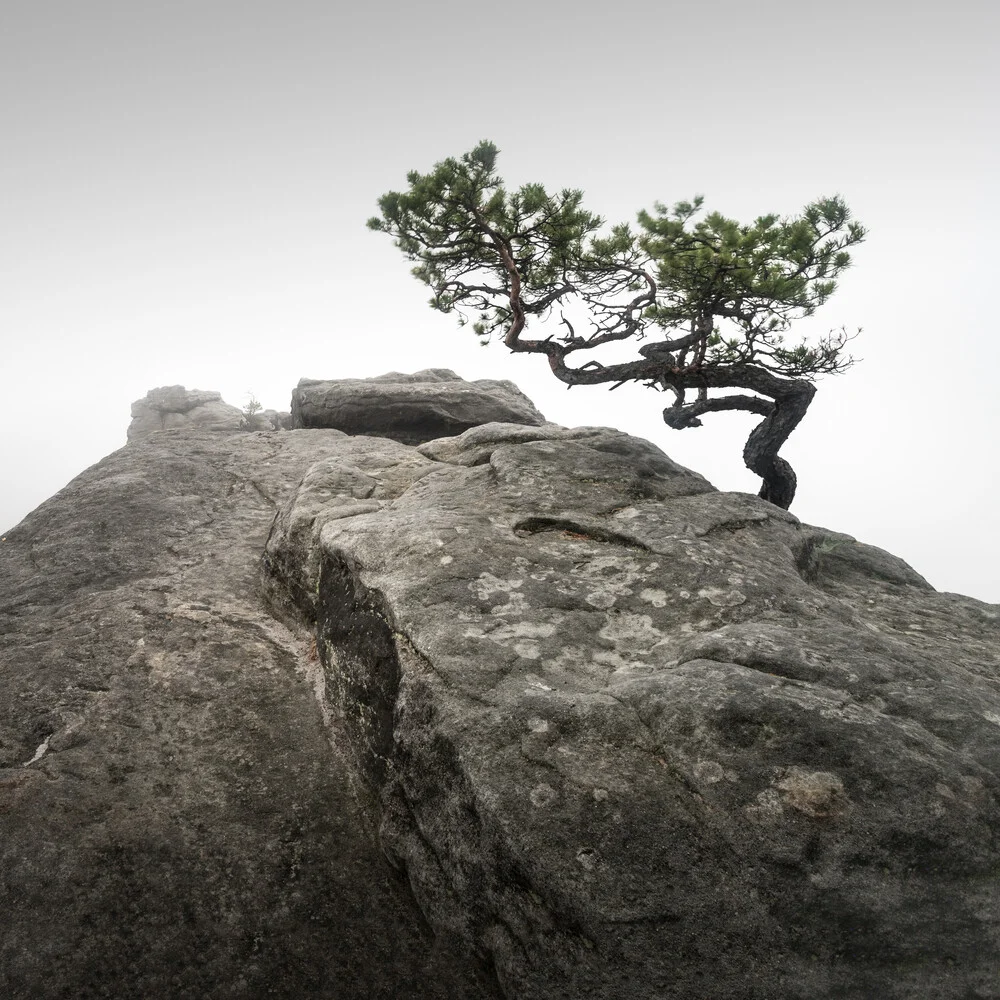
{"points": [[525, 712], [274, 420], [173, 406], [410, 408]]}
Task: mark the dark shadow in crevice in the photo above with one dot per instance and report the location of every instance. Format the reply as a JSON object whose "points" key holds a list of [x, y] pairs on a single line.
{"points": [[576, 530]]}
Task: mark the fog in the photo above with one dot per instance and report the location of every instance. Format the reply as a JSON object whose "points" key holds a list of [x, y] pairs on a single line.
{"points": [[185, 191]]}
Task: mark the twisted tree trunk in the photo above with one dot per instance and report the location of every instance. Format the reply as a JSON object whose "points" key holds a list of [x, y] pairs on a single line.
{"points": [[760, 453], [782, 412], [790, 398]]}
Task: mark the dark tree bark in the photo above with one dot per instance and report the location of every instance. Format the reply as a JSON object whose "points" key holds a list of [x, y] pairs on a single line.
{"points": [[760, 453], [782, 402], [782, 414]]}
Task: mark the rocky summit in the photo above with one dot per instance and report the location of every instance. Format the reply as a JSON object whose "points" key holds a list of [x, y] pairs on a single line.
{"points": [[518, 711]]}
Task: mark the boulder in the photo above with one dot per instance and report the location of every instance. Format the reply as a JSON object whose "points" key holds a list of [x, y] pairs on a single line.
{"points": [[173, 406], [632, 737], [275, 420], [410, 408]]}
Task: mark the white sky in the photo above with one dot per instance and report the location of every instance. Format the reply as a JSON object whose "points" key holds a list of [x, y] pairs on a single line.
{"points": [[184, 187]]}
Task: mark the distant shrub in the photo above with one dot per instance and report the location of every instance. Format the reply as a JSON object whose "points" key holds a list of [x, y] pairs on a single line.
{"points": [[248, 421]]}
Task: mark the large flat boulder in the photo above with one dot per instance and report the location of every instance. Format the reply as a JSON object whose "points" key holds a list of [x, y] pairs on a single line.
{"points": [[411, 408], [633, 738]]}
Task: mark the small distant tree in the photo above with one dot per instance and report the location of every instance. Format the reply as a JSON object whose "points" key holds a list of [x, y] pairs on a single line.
{"points": [[248, 420], [724, 293]]}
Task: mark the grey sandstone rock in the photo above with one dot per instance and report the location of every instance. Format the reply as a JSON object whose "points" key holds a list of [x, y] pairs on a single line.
{"points": [[635, 738], [575, 724], [411, 408], [173, 406], [275, 420], [177, 814]]}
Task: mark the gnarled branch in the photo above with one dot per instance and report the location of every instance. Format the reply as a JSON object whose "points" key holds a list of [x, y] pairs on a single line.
{"points": [[516, 256]]}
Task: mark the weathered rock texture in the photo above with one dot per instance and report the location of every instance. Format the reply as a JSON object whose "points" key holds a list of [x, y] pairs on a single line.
{"points": [[411, 408], [273, 420], [637, 738], [177, 814], [173, 406], [625, 736]]}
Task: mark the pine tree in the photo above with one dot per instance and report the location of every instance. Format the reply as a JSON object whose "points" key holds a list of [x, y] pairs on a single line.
{"points": [[724, 293]]}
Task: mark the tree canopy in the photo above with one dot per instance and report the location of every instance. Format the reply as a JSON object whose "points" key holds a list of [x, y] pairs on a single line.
{"points": [[723, 293]]}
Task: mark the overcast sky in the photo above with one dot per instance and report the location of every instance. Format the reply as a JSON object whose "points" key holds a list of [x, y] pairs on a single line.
{"points": [[184, 188]]}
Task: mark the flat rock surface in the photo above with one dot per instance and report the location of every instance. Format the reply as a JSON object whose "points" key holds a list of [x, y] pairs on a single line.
{"points": [[411, 408], [177, 814]]}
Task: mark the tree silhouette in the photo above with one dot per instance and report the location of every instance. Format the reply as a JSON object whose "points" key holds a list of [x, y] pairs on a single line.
{"points": [[724, 293]]}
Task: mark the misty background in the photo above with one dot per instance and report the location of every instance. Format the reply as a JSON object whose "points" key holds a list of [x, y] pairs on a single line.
{"points": [[184, 190]]}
